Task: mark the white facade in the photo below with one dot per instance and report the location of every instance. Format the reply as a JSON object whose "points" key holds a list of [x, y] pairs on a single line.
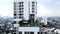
{"points": [[23, 9], [35, 30], [29, 7]]}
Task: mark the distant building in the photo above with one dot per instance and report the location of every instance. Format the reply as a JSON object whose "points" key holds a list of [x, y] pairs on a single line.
{"points": [[42, 20]]}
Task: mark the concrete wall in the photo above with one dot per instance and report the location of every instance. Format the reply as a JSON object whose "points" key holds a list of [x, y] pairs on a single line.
{"points": [[29, 29]]}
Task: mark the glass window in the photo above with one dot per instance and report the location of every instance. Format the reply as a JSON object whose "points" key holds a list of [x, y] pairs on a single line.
{"points": [[14, 4], [14, 22], [14, 33], [14, 17], [22, 11], [38, 32], [22, 5], [15, 28], [14, 8], [19, 11], [19, 5], [20, 2], [22, 8], [20, 17], [26, 32], [14, 14], [32, 11], [19, 8], [33, 5], [31, 32], [20, 14], [20, 32], [32, 8], [33, 2]]}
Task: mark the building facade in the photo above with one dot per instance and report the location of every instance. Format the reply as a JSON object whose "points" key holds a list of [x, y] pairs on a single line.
{"points": [[24, 10]]}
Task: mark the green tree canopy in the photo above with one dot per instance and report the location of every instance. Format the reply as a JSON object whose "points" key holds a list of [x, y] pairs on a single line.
{"points": [[37, 22]]}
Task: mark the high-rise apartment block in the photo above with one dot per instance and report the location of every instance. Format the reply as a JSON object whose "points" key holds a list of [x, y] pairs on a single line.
{"points": [[25, 9]]}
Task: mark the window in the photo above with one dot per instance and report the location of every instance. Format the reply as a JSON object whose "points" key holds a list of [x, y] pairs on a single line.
{"points": [[20, 17], [19, 5], [32, 8], [20, 14], [22, 11], [14, 5], [31, 32], [15, 28], [14, 17], [14, 8], [14, 14], [26, 32], [22, 5], [33, 5], [38, 32], [14, 33], [22, 8], [19, 8], [20, 2], [19, 11], [33, 2], [32, 11], [20, 32], [14, 22]]}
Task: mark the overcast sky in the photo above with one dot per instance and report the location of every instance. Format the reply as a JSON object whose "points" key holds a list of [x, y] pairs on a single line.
{"points": [[44, 8]]}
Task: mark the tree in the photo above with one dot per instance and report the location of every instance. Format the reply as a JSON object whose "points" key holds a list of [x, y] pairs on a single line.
{"points": [[20, 23], [36, 22]]}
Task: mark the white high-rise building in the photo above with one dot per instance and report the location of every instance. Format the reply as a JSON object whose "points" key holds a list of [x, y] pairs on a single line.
{"points": [[24, 9]]}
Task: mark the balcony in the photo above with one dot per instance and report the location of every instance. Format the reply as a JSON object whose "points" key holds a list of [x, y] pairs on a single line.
{"points": [[33, 29], [29, 23]]}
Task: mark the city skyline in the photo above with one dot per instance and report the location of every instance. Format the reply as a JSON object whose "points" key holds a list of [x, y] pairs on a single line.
{"points": [[44, 7]]}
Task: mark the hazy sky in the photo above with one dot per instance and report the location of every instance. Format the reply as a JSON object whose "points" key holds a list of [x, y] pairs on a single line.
{"points": [[44, 8]]}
